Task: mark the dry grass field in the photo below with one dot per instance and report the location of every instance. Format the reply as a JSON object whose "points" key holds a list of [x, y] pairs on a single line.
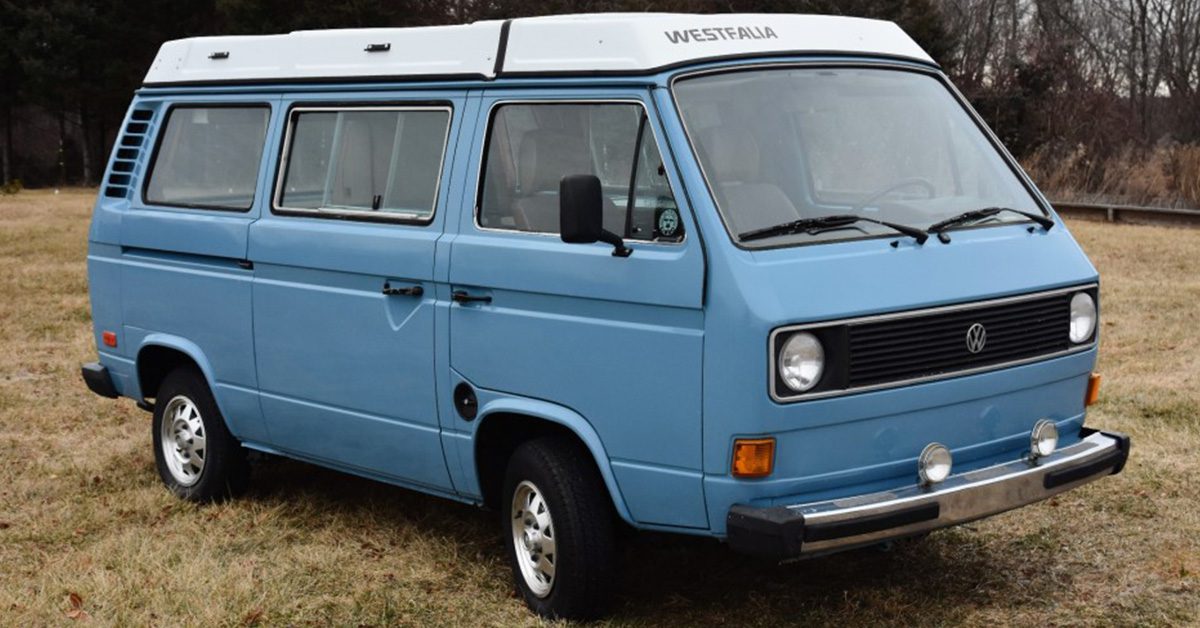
{"points": [[88, 535]]}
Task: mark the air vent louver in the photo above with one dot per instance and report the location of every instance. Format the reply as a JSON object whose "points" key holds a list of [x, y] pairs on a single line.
{"points": [[130, 147]]}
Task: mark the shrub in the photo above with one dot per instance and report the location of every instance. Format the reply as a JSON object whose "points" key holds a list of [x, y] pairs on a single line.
{"points": [[1167, 173], [1186, 172]]}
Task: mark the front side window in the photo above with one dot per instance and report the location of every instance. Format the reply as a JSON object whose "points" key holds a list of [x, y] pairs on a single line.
{"points": [[379, 161], [783, 144], [531, 147], [208, 157]]}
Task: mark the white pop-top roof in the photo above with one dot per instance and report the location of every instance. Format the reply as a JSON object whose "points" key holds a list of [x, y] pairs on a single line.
{"points": [[568, 44]]}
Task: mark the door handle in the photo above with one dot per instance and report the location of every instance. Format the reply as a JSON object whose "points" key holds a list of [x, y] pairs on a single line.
{"points": [[461, 296], [411, 291]]}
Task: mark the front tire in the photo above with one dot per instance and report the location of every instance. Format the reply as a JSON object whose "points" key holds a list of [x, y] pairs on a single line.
{"points": [[196, 456], [558, 529]]}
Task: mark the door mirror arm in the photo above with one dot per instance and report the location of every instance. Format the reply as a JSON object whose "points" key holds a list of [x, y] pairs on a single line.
{"points": [[619, 248]]}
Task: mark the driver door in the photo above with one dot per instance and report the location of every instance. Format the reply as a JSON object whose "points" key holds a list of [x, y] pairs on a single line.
{"points": [[616, 340]]}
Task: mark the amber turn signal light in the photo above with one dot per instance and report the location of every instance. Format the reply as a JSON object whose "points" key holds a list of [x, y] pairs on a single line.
{"points": [[1093, 390], [753, 457]]}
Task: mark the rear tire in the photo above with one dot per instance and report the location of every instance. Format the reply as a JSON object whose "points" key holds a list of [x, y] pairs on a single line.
{"points": [[557, 524], [196, 456]]}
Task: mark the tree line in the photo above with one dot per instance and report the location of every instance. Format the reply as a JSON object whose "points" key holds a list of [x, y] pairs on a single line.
{"points": [[1092, 95]]}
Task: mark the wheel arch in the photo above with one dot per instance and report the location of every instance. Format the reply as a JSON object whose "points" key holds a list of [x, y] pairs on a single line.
{"points": [[159, 354], [504, 424]]}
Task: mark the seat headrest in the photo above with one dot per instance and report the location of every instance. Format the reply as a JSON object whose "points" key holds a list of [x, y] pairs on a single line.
{"points": [[546, 156], [732, 157]]}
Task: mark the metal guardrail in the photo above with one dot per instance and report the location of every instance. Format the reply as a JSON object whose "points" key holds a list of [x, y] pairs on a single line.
{"points": [[1129, 213]]}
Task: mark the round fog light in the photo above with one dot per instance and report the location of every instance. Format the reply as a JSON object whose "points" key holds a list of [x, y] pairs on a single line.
{"points": [[1044, 439], [934, 464]]}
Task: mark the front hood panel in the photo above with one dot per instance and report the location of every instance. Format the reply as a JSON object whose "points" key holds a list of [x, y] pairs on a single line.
{"points": [[826, 282]]}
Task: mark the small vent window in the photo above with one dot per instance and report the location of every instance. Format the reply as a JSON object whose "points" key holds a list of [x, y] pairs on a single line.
{"points": [[129, 150]]}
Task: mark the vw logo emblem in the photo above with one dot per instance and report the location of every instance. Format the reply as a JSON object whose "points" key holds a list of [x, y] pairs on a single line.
{"points": [[976, 338]]}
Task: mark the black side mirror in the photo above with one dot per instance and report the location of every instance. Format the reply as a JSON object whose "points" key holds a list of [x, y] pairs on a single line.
{"points": [[581, 213]]}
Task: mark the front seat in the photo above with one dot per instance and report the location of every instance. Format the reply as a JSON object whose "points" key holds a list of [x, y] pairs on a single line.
{"points": [[732, 165], [546, 156]]}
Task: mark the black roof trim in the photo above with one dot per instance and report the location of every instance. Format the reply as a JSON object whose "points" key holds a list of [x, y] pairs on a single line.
{"points": [[502, 48]]}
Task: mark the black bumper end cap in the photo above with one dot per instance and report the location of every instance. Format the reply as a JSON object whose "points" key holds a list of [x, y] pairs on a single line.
{"points": [[1114, 461], [1123, 444], [98, 380], [771, 533]]}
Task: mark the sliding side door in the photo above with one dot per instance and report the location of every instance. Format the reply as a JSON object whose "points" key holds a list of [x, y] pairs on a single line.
{"points": [[344, 284]]}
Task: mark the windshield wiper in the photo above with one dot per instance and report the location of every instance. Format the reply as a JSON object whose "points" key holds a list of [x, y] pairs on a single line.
{"points": [[813, 226], [976, 215]]}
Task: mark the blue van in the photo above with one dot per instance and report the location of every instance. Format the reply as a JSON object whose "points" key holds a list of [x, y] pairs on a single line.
{"points": [[763, 278]]}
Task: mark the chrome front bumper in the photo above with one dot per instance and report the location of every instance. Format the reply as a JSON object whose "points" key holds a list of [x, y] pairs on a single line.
{"points": [[781, 532]]}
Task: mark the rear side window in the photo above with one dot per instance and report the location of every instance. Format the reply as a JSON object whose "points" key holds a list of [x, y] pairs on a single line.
{"points": [[531, 147], [208, 157], [385, 161]]}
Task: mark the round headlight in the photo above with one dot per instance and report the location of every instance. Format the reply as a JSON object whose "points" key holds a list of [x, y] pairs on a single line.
{"points": [[1044, 439], [934, 464], [801, 361], [1083, 317]]}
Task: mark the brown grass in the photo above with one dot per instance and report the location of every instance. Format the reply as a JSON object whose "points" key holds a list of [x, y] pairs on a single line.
{"points": [[1164, 175], [88, 534]]}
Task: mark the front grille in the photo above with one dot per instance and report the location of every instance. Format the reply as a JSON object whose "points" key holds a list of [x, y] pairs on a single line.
{"points": [[896, 349], [935, 344]]}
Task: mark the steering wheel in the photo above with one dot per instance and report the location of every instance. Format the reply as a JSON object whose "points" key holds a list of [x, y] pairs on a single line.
{"points": [[930, 191]]}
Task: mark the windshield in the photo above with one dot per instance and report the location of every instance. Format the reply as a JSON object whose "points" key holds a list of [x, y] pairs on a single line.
{"points": [[782, 144]]}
